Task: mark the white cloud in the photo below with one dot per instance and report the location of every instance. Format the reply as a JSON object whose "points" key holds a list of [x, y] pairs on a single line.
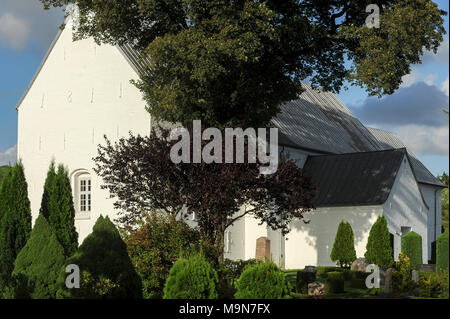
{"points": [[441, 55], [9, 156], [14, 31], [410, 79], [431, 78], [425, 139], [445, 86]]}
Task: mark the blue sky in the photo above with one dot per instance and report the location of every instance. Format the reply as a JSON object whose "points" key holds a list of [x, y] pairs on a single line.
{"points": [[26, 32]]}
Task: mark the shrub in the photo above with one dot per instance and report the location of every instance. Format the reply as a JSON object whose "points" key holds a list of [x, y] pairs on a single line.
{"points": [[57, 206], [15, 220], [378, 249], [412, 247], [442, 251], [262, 281], [303, 279], [103, 255], [39, 263], [322, 271], [358, 283], [191, 278], [343, 251], [229, 272], [155, 246], [335, 282], [401, 276]]}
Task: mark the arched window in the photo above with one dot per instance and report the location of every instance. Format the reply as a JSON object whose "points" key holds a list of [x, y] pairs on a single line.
{"points": [[82, 186]]}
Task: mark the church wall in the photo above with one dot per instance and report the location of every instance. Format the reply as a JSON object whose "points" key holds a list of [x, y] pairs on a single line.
{"points": [[405, 209], [432, 196], [81, 93], [311, 244]]}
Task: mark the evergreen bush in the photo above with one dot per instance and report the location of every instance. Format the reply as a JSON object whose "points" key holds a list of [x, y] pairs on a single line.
{"points": [[15, 220], [191, 278], [262, 281], [104, 259], [39, 263], [335, 282], [303, 279], [343, 251], [442, 252], [378, 248], [412, 247]]}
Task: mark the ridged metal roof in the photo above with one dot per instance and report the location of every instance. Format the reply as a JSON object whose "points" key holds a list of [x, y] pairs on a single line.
{"points": [[389, 140]]}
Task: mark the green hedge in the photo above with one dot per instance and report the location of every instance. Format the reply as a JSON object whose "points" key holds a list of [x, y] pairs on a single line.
{"points": [[412, 247], [442, 252], [335, 282], [262, 281], [303, 279]]}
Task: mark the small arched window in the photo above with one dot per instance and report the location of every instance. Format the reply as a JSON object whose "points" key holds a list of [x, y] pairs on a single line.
{"points": [[82, 185]]}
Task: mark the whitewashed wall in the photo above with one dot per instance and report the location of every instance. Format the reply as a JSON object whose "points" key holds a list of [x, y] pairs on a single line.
{"points": [[405, 208], [432, 196], [81, 93]]}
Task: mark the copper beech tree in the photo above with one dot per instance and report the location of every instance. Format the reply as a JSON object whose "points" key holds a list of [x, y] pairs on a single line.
{"points": [[139, 173]]}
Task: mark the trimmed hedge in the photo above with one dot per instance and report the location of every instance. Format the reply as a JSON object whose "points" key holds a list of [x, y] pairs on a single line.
{"points": [[191, 278], [442, 252], [262, 281], [412, 247], [335, 282]]}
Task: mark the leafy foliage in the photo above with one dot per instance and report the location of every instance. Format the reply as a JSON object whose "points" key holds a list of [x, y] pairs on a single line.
{"points": [[401, 276], [442, 250], [335, 282], [139, 172], [211, 60], [303, 279], [3, 171], [262, 281], [444, 205], [57, 206], [434, 285], [378, 248], [155, 246], [109, 272], [412, 247], [191, 278], [15, 220], [39, 262], [344, 245]]}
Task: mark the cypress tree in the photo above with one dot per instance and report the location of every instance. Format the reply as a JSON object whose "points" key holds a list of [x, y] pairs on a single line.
{"points": [[39, 263], [378, 248], [344, 245], [15, 225], [58, 208]]}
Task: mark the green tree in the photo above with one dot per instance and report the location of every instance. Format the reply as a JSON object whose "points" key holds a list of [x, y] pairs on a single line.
{"points": [[155, 246], [107, 269], [378, 248], [412, 247], [39, 263], [15, 223], [191, 278], [344, 245], [57, 206], [442, 250], [3, 171], [444, 205], [233, 63]]}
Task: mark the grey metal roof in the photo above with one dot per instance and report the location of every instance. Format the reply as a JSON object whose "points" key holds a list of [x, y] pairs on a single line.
{"points": [[355, 179], [389, 140], [319, 121]]}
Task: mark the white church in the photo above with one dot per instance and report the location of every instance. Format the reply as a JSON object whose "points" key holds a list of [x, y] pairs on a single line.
{"points": [[82, 92]]}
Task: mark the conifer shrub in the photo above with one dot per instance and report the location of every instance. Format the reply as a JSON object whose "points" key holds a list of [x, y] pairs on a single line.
{"points": [[191, 278], [335, 282], [107, 268], [262, 281], [39, 263], [412, 247], [15, 220], [378, 248], [343, 251], [442, 252]]}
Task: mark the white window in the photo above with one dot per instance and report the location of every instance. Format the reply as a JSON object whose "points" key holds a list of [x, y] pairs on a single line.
{"points": [[228, 241], [82, 186], [85, 195]]}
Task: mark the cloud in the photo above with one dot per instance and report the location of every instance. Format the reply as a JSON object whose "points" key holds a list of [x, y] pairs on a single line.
{"points": [[412, 112], [25, 22], [445, 86], [9, 156], [410, 79], [14, 31], [441, 56]]}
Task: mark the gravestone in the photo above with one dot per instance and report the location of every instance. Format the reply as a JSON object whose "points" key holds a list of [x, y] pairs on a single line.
{"points": [[426, 267], [262, 249], [360, 264], [388, 281], [415, 276], [316, 289]]}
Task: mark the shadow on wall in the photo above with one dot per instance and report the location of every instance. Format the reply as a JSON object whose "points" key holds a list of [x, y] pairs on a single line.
{"points": [[321, 230]]}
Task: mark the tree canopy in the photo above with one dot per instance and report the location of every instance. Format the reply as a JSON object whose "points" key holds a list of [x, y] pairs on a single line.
{"points": [[233, 63]]}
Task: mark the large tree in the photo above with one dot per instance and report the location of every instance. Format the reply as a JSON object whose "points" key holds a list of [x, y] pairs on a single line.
{"points": [[229, 62], [139, 172]]}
